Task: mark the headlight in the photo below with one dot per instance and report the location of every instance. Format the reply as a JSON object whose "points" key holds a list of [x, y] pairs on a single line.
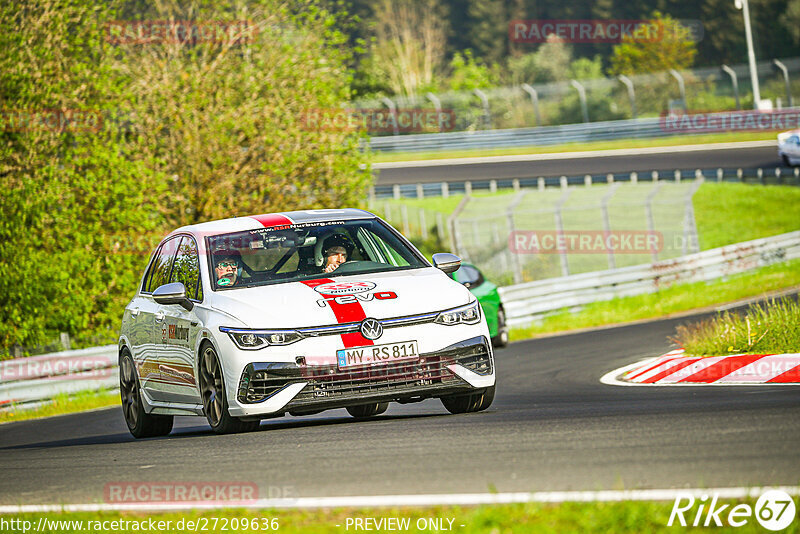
{"points": [[469, 314], [258, 339]]}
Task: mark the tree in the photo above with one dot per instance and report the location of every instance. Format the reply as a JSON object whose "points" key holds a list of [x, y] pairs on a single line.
{"points": [[187, 130], [467, 73], [488, 29], [78, 215], [548, 64], [669, 48], [232, 122], [410, 43]]}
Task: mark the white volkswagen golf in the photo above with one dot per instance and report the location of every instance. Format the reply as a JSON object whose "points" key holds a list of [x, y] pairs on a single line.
{"points": [[254, 317]]}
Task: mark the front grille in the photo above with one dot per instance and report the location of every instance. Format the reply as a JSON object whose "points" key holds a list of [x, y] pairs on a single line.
{"points": [[328, 383]]}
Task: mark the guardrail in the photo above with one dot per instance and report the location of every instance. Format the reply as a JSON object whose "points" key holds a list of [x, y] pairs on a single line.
{"points": [[30, 381], [543, 135], [525, 303], [768, 176], [27, 381], [538, 136]]}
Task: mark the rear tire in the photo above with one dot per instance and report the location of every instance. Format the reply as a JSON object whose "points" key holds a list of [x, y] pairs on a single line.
{"points": [[140, 423], [367, 410], [501, 339], [215, 400], [786, 161], [473, 402]]}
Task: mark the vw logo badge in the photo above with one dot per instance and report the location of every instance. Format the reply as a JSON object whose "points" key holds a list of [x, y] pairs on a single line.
{"points": [[371, 328]]}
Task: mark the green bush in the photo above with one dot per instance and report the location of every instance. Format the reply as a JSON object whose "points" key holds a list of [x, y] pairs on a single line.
{"points": [[189, 132]]}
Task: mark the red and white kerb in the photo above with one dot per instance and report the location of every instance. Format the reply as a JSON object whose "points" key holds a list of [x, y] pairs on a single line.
{"points": [[676, 368]]}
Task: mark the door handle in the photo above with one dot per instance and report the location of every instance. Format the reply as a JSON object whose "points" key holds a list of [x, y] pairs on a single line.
{"points": [[159, 316], [135, 312]]}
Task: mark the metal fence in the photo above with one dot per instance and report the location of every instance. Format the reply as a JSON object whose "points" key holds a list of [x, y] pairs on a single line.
{"points": [[30, 381], [764, 176], [605, 100], [536, 234], [525, 303], [478, 220]]}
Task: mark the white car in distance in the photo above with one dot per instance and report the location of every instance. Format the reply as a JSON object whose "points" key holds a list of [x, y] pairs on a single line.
{"points": [[789, 147]]}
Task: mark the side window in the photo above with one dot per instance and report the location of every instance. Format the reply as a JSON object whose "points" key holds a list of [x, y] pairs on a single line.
{"points": [[186, 269], [150, 268], [159, 271], [469, 276], [390, 254]]}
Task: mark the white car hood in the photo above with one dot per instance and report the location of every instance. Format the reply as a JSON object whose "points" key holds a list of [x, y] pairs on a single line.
{"points": [[296, 305]]}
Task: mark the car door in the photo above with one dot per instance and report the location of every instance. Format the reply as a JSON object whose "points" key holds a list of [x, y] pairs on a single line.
{"points": [[179, 330], [792, 147], [150, 320]]}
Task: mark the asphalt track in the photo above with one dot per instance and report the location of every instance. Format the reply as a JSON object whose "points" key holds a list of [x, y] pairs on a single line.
{"points": [[553, 426], [764, 157]]}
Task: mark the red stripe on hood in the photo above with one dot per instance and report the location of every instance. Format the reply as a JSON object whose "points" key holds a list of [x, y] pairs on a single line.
{"points": [[272, 219], [345, 313]]}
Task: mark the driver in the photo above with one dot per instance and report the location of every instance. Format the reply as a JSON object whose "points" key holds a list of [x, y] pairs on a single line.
{"points": [[227, 266], [336, 249]]}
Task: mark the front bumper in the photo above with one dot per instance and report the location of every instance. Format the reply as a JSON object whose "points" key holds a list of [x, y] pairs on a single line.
{"points": [[274, 388]]}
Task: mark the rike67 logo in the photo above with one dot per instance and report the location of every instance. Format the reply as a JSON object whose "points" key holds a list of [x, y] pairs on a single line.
{"points": [[774, 510]]}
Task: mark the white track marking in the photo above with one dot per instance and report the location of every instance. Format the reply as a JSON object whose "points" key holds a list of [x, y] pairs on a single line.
{"points": [[369, 501], [663, 366], [573, 155]]}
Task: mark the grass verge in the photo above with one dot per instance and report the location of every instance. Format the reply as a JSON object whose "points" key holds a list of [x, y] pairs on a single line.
{"points": [[380, 157], [628, 516], [678, 298], [770, 327], [725, 213], [62, 404], [729, 213]]}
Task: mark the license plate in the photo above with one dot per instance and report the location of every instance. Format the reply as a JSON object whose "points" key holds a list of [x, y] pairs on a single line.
{"points": [[377, 354]]}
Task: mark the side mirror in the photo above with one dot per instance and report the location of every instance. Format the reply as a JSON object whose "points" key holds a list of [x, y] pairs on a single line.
{"points": [[174, 293], [449, 263]]}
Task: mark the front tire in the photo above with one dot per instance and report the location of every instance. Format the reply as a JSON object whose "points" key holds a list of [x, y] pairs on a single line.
{"points": [[215, 400], [367, 410], [140, 423], [472, 402], [501, 339]]}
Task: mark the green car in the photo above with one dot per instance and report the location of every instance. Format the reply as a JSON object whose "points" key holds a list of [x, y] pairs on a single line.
{"points": [[486, 292]]}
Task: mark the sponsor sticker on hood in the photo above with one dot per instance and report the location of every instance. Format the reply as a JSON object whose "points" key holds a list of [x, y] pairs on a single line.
{"points": [[344, 288]]}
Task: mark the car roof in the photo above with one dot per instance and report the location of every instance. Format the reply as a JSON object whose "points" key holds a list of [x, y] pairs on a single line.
{"points": [[268, 220]]}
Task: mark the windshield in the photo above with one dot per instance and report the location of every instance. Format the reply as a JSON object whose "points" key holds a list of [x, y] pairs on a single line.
{"points": [[304, 251]]}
